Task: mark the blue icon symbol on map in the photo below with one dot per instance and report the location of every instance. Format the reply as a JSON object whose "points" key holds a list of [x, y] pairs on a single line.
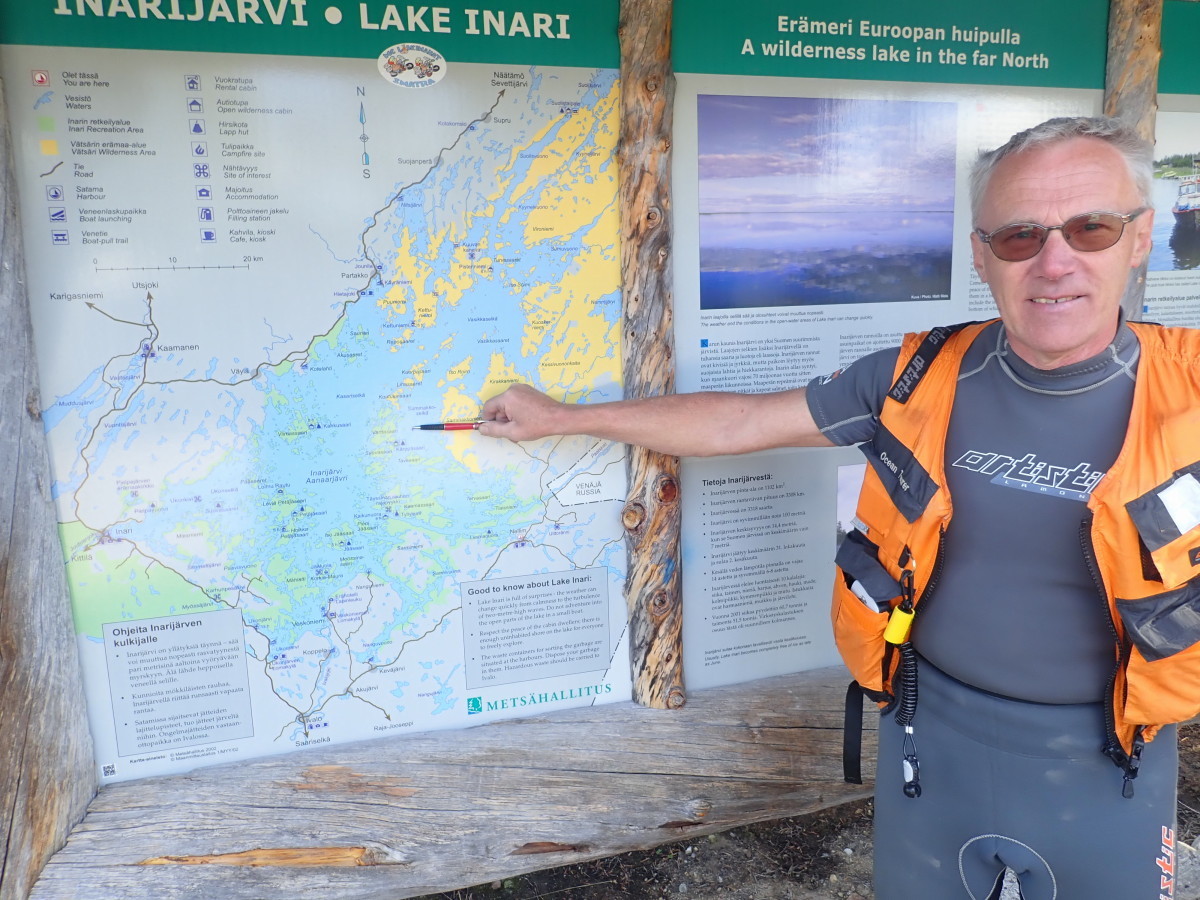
{"points": [[54, 192], [58, 214], [43, 100], [195, 105], [203, 192], [208, 236], [59, 237], [196, 126], [199, 148], [206, 213], [201, 170], [192, 82]]}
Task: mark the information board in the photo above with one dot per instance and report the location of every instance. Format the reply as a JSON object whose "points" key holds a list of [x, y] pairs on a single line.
{"points": [[266, 242], [1173, 281], [821, 212]]}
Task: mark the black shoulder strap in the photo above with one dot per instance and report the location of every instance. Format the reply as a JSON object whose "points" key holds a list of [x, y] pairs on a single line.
{"points": [[919, 362]]}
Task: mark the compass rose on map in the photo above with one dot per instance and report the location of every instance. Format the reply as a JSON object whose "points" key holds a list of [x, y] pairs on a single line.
{"points": [[362, 121]]}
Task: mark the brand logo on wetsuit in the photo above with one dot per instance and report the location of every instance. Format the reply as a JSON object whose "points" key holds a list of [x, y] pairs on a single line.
{"points": [[825, 379], [1166, 862], [1028, 473]]}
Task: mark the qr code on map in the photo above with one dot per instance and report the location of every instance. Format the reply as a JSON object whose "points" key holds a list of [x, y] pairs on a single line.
{"points": [[110, 771]]}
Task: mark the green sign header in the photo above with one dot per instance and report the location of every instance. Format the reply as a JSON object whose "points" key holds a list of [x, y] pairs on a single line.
{"points": [[1179, 70], [542, 32], [1021, 42]]}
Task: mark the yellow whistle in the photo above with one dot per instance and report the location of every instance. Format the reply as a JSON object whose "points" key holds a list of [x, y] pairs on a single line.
{"points": [[898, 626]]}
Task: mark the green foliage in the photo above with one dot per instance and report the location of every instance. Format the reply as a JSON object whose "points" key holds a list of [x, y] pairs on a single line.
{"points": [[1177, 164]]}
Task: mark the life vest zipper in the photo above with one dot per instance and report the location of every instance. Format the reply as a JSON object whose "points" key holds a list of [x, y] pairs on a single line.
{"points": [[1127, 762], [939, 559]]}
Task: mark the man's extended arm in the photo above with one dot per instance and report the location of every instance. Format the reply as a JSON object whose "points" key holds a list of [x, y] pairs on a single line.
{"points": [[701, 424]]}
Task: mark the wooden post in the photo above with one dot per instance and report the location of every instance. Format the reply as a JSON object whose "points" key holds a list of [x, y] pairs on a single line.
{"points": [[1134, 50], [46, 760], [1131, 92], [652, 514]]}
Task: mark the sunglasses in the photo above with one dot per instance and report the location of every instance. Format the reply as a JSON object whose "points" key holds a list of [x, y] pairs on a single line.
{"points": [[1087, 232]]}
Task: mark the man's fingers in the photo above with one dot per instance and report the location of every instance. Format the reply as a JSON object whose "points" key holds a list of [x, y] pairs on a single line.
{"points": [[519, 414]]}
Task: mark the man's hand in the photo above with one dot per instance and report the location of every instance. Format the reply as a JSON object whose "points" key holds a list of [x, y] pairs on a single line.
{"points": [[522, 414]]}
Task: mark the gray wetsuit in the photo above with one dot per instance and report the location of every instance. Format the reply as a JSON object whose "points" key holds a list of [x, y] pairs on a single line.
{"points": [[1016, 646]]}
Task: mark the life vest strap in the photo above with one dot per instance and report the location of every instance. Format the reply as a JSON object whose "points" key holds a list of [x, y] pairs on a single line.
{"points": [[919, 363], [852, 729]]}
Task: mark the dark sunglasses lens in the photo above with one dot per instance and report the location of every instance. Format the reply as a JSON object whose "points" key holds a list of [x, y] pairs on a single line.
{"points": [[1094, 231], [1018, 242]]}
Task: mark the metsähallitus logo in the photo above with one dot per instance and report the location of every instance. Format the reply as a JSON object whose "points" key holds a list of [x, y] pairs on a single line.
{"points": [[534, 698]]}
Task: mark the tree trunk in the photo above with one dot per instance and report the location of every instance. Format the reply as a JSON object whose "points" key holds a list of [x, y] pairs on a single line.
{"points": [[1131, 92], [652, 515]]}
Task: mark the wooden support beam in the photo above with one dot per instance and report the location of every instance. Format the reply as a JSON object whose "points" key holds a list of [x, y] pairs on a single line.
{"points": [[46, 760], [1131, 92], [402, 817], [652, 512], [1131, 73]]}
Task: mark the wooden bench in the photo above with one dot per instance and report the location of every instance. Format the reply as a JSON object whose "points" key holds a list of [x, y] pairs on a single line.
{"points": [[400, 817]]}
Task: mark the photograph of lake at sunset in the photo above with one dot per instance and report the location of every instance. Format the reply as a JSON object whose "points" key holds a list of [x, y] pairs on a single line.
{"points": [[812, 201]]}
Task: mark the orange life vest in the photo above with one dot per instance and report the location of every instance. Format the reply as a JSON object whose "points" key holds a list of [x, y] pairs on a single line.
{"points": [[1141, 536]]}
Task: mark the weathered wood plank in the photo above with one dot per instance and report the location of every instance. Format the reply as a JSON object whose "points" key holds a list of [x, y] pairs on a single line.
{"points": [[404, 817], [45, 747], [652, 513]]}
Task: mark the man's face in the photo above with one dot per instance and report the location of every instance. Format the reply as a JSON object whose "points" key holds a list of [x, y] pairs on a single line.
{"points": [[1061, 306]]}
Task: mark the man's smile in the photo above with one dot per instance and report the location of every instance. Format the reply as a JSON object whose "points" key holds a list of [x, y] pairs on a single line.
{"points": [[1051, 300]]}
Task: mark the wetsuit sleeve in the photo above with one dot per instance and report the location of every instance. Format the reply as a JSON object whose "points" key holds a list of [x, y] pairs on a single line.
{"points": [[846, 405]]}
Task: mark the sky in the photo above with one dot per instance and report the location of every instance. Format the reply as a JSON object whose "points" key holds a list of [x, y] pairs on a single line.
{"points": [[788, 154], [1176, 132]]}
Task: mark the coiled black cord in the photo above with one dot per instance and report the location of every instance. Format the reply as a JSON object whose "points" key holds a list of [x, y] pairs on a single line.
{"points": [[906, 710], [907, 707]]}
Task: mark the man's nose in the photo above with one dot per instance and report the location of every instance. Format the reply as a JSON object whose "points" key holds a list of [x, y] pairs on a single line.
{"points": [[1057, 257]]}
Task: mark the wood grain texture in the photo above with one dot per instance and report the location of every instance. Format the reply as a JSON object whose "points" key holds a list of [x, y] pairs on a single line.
{"points": [[653, 588], [1131, 72], [45, 746], [1131, 92], [432, 812]]}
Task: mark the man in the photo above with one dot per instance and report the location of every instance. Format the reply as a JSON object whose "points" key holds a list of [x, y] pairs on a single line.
{"points": [[1056, 633]]}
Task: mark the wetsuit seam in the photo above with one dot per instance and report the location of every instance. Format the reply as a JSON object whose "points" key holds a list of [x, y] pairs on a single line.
{"points": [[832, 427], [1068, 392]]}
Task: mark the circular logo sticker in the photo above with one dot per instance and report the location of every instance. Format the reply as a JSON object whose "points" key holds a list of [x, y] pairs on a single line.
{"points": [[412, 65]]}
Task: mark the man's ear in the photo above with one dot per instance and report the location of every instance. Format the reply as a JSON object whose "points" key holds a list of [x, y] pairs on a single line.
{"points": [[979, 256], [1142, 238]]}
